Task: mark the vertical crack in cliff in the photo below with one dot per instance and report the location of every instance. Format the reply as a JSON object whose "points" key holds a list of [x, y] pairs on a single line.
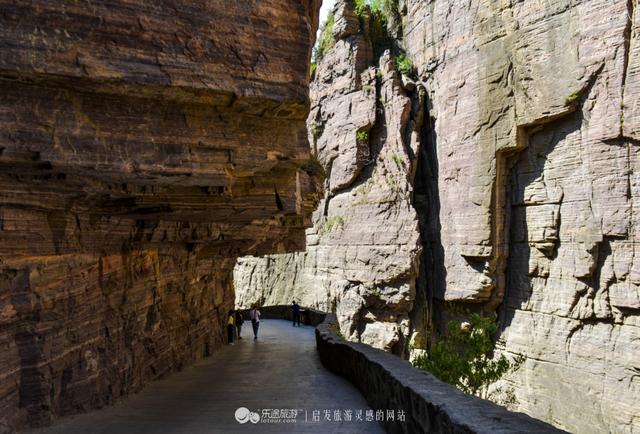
{"points": [[501, 216], [627, 54], [627, 42], [506, 160], [426, 201]]}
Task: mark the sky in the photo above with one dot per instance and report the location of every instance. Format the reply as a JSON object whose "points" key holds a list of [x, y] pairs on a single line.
{"points": [[327, 5]]}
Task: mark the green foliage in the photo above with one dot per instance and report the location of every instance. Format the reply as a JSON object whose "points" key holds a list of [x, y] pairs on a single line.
{"points": [[392, 183], [461, 356], [385, 7], [390, 8], [332, 223], [376, 14], [570, 99], [361, 7], [396, 159], [325, 41], [313, 66], [362, 136], [405, 65], [317, 130]]}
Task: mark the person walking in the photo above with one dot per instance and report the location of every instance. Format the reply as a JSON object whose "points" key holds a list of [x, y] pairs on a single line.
{"points": [[295, 307], [239, 322], [254, 314], [230, 327]]}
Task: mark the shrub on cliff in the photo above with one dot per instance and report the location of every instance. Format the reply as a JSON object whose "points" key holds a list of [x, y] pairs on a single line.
{"points": [[461, 356], [376, 14], [325, 40], [405, 65]]}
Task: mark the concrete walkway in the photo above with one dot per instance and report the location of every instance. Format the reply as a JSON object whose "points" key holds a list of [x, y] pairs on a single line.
{"points": [[281, 370]]}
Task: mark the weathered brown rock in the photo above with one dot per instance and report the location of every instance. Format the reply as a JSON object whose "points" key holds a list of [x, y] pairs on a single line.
{"points": [[142, 148]]}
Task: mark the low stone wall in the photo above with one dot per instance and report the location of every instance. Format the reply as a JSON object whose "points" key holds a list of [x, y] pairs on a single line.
{"points": [[431, 406], [283, 311]]}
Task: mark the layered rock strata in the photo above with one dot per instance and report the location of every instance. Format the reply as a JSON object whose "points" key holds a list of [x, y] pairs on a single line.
{"points": [[363, 250], [525, 193], [534, 106], [142, 148]]}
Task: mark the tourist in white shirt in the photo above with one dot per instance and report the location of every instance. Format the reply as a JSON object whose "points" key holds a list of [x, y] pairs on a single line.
{"points": [[254, 314]]}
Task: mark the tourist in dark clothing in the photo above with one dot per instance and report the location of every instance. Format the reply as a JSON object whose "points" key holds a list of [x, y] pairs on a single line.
{"points": [[230, 327], [295, 307], [239, 321], [254, 314]]}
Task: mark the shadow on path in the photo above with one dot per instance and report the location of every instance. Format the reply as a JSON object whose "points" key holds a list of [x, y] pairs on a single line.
{"points": [[281, 370]]}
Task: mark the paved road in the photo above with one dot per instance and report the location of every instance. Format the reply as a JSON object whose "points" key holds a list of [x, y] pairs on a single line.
{"points": [[281, 370]]}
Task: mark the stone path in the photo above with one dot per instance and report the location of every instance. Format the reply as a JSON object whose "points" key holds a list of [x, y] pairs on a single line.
{"points": [[281, 370]]}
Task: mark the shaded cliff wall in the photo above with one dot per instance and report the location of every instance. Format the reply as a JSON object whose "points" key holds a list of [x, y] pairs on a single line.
{"points": [[142, 148], [535, 108], [363, 249]]}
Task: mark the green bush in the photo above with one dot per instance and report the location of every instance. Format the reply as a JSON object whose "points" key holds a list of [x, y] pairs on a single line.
{"points": [[570, 99], [361, 7], [313, 66], [362, 136], [375, 12], [405, 65], [335, 328], [331, 223], [461, 357]]}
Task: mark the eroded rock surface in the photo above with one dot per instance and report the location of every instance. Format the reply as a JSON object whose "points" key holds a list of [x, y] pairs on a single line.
{"points": [[525, 191], [143, 146], [363, 250], [535, 108]]}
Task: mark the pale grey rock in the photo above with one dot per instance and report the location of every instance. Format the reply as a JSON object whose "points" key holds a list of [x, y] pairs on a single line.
{"points": [[537, 118], [364, 248]]}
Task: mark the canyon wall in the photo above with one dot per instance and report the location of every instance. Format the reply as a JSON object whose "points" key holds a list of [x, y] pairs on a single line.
{"points": [[143, 147], [535, 112], [363, 249], [522, 174]]}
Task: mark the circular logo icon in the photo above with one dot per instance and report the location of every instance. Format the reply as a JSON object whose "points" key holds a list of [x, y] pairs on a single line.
{"points": [[254, 417], [243, 414]]}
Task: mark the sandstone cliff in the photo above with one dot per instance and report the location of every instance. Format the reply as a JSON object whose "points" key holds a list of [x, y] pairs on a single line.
{"points": [[143, 146], [526, 189], [363, 250], [535, 106]]}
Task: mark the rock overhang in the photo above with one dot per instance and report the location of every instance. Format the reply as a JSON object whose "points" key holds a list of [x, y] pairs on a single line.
{"points": [[162, 115]]}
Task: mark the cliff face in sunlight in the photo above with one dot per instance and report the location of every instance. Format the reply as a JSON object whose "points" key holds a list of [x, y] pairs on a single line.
{"points": [[363, 251], [535, 108], [142, 148], [517, 193]]}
